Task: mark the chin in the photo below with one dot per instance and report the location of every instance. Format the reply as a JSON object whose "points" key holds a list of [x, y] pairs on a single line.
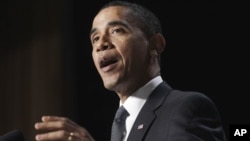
{"points": [[110, 82], [109, 85]]}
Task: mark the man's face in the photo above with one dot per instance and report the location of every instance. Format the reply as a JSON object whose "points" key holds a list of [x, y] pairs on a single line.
{"points": [[120, 49]]}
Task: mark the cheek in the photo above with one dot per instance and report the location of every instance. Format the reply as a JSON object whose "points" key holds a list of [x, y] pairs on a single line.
{"points": [[132, 50], [138, 51], [132, 57]]}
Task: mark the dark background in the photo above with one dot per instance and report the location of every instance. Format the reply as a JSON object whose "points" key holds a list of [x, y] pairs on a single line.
{"points": [[206, 51]]}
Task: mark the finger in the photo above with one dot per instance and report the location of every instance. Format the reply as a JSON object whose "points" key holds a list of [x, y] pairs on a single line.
{"points": [[54, 125], [52, 118], [47, 118], [55, 135]]}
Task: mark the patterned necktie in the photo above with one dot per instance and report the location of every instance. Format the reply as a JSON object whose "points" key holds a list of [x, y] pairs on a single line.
{"points": [[118, 127]]}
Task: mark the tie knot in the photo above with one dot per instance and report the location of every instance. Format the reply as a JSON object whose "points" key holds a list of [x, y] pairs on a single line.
{"points": [[121, 115]]}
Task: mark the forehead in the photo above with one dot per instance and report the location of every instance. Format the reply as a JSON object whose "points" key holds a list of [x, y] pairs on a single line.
{"points": [[112, 13]]}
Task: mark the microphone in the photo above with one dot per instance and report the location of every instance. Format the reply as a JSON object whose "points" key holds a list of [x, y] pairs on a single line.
{"points": [[14, 135]]}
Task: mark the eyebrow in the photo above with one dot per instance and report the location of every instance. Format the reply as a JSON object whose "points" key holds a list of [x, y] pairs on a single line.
{"points": [[112, 23]]}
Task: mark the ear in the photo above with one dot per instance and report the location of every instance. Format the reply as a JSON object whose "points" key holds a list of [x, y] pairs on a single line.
{"points": [[157, 44]]}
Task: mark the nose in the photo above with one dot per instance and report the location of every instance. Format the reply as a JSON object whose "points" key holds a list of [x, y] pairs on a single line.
{"points": [[104, 44]]}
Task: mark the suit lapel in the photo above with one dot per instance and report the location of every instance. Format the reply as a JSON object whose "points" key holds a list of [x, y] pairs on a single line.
{"points": [[141, 125], [147, 113]]}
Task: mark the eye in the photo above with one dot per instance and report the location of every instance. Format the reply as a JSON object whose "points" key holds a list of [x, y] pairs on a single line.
{"points": [[95, 39], [117, 30]]}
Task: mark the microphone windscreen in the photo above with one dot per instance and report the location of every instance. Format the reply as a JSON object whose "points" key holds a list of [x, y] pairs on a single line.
{"points": [[14, 135]]}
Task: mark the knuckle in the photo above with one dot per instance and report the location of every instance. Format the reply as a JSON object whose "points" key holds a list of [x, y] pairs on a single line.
{"points": [[62, 124], [63, 133]]}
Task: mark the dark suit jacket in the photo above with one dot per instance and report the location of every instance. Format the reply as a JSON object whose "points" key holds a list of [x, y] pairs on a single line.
{"points": [[173, 115]]}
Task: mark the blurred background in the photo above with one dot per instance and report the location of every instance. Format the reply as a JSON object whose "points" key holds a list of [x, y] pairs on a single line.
{"points": [[46, 66]]}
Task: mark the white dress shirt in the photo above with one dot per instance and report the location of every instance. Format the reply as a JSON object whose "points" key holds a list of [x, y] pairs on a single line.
{"points": [[135, 102]]}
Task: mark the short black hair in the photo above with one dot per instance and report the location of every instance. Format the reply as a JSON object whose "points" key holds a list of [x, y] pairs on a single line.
{"points": [[146, 20]]}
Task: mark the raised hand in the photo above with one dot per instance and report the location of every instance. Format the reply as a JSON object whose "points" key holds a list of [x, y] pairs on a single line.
{"points": [[61, 129]]}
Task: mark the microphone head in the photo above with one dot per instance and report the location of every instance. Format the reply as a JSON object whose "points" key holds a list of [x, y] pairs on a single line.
{"points": [[14, 135]]}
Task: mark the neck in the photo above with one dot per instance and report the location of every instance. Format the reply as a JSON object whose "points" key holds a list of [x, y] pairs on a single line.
{"points": [[123, 95]]}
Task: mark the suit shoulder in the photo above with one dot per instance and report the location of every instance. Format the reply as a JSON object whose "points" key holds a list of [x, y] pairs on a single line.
{"points": [[190, 100], [180, 94], [189, 95]]}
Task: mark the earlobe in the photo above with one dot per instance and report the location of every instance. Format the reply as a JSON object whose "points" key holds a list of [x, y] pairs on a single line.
{"points": [[154, 52]]}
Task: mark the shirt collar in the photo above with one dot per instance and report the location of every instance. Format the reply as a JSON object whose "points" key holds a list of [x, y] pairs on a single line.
{"points": [[134, 103]]}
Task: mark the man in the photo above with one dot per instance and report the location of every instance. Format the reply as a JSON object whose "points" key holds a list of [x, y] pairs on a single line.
{"points": [[127, 43]]}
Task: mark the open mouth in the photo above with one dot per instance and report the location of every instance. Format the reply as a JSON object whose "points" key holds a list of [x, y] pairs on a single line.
{"points": [[107, 62]]}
